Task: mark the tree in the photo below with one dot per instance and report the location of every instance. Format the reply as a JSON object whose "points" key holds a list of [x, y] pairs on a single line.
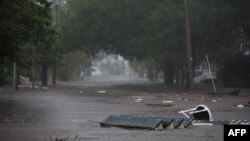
{"points": [[132, 28], [236, 71], [72, 65], [154, 30], [23, 24]]}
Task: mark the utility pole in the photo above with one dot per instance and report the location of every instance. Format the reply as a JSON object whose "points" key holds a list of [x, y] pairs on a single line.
{"points": [[33, 67], [189, 48], [55, 24], [15, 76]]}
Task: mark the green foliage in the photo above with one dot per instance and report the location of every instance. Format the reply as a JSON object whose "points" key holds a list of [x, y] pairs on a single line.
{"points": [[24, 25], [155, 30], [236, 70], [107, 25], [72, 64], [2, 74], [217, 27], [21, 22]]}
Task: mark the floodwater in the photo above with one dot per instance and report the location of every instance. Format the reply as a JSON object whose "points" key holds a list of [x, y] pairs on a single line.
{"points": [[75, 111]]}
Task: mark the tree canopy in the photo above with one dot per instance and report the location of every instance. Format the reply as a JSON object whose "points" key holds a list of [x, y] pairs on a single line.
{"points": [[152, 29], [21, 22], [25, 31], [149, 30]]}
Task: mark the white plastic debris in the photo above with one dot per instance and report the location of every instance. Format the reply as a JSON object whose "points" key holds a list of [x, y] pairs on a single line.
{"points": [[167, 102], [136, 97], [138, 100], [214, 100], [21, 86], [144, 97], [45, 88], [240, 106], [200, 112], [101, 92]]}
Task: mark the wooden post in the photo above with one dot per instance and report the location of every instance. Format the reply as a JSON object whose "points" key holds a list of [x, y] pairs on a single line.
{"points": [[54, 66], [189, 49]]}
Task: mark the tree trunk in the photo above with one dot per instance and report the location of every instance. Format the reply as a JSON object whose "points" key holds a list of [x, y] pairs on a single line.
{"points": [[156, 75], [177, 77], [33, 73], [44, 74], [150, 74], [54, 74], [169, 72], [15, 76], [183, 78]]}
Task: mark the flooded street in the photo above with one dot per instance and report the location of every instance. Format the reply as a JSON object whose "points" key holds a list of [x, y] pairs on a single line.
{"points": [[68, 67], [39, 115]]}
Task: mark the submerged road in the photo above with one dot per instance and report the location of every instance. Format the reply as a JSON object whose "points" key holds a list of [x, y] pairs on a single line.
{"points": [[39, 115]]}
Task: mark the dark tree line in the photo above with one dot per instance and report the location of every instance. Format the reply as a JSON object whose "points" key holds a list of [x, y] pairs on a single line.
{"points": [[152, 31]]}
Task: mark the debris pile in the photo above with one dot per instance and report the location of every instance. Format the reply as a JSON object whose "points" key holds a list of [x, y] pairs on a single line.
{"points": [[200, 115]]}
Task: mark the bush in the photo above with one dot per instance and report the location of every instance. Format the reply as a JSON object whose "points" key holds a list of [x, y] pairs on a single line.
{"points": [[236, 71], [2, 74]]}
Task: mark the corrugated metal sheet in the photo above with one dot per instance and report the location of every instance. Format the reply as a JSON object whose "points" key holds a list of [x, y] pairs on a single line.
{"points": [[153, 123], [132, 122]]}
